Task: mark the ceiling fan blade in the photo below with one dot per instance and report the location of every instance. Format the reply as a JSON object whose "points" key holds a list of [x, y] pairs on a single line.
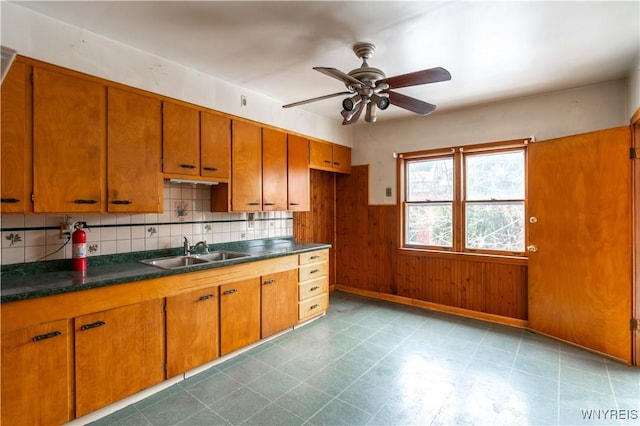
{"points": [[337, 74], [319, 98], [411, 104], [355, 116], [432, 75]]}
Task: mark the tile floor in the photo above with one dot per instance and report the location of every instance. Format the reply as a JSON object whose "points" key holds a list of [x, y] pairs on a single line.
{"points": [[369, 362]]}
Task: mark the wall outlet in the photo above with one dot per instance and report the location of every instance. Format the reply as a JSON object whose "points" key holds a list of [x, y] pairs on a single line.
{"points": [[66, 228], [388, 192]]}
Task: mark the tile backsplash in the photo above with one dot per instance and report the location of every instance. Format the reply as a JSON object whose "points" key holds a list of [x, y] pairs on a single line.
{"points": [[36, 237]]}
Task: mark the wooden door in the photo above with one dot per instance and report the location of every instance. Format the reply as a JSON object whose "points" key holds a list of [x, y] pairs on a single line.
{"points": [[15, 140], [274, 170], [35, 375], [579, 208], [180, 140], [246, 168], [134, 149], [118, 353], [320, 155], [279, 302], [69, 143], [215, 146], [342, 158], [239, 314], [298, 179], [192, 330]]}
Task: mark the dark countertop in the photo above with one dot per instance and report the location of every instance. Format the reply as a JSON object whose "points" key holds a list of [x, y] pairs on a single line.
{"points": [[38, 279]]}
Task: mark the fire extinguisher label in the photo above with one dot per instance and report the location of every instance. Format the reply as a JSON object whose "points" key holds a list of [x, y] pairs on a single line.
{"points": [[80, 250]]}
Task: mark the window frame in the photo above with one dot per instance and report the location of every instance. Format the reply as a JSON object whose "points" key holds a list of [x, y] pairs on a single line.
{"points": [[459, 203]]}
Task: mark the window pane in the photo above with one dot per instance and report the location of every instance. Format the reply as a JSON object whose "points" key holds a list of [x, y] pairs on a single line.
{"points": [[430, 224], [430, 180], [495, 226], [497, 176]]}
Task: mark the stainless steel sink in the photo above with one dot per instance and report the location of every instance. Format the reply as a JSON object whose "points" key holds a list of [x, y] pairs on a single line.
{"points": [[176, 262]]}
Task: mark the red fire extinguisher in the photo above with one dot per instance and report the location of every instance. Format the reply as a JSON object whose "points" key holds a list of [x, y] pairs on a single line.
{"points": [[79, 248]]}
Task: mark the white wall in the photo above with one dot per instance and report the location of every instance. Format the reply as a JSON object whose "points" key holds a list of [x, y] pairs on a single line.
{"points": [[543, 116], [40, 37], [634, 88]]}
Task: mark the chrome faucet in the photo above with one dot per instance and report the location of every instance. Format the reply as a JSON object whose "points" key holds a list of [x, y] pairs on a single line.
{"points": [[198, 244], [185, 246]]}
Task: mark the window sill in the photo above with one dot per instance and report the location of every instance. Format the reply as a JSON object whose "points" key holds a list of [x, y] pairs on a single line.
{"points": [[474, 257]]}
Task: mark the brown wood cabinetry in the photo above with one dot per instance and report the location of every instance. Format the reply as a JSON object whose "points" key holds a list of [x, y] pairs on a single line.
{"points": [[118, 353], [215, 146], [69, 143], [239, 314], [134, 149], [192, 330], [298, 183], [330, 157], [279, 297], [181, 140], [274, 170], [15, 140], [35, 375], [313, 287]]}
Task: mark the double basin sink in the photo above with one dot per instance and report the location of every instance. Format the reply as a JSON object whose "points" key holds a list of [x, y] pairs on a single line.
{"points": [[176, 262]]}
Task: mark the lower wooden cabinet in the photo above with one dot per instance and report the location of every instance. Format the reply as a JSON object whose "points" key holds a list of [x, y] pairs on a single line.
{"points": [[279, 302], [239, 314], [313, 287], [35, 375], [192, 330], [118, 353]]}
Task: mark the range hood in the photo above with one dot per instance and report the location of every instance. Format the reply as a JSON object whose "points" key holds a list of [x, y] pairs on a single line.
{"points": [[191, 182]]}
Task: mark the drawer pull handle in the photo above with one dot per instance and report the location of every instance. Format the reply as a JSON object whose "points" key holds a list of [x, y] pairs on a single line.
{"points": [[253, 204], [93, 325], [9, 200], [314, 271], [337, 164], [271, 281], [294, 204], [327, 161], [314, 306], [47, 336], [314, 288], [269, 204], [210, 169], [187, 166], [206, 297], [121, 202], [314, 257], [85, 201], [226, 292]]}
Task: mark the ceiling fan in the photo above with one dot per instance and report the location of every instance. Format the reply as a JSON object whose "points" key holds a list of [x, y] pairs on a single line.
{"points": [[370, 88]]}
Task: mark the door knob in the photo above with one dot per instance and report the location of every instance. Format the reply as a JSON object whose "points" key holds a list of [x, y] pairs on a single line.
{"points": [[533, 219], [532, 248]]}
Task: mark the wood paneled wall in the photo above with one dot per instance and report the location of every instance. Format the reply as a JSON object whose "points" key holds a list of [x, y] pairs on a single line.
{"points": [[366, 255]]}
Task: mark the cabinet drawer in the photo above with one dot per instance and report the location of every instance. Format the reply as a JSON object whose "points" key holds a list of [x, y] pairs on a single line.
{"points": [[313, 257], [312, 307], [313, 288], [313, 271]]}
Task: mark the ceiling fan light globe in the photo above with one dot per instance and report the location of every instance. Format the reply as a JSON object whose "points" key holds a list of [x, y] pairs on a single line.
{"points": [[370, 116], [349, 104], [381, 102]]}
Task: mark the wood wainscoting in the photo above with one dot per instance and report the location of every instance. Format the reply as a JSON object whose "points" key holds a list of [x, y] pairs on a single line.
{"points": [[368, 261]]}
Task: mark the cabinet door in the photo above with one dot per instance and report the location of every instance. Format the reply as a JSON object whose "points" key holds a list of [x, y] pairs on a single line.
{"points": [[35, 375], [180, 140], [192, 330], [298, 173], [118, 353], [134, 148], [279, 301], [320, 155], [342, 158], [69, 143], [246, 167], [274, 170], [215, 146], [15, 140], [239, 314]]}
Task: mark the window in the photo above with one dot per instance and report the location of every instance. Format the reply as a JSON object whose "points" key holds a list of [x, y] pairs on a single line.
{"points": [[469, 199]]}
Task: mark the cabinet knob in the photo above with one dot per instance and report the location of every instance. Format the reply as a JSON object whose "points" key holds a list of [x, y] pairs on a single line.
{"points": [[294, 204], [187, 166], [314, 306], [269, 204], [314, 271], [315, 256], [231, 291], [271, 281], [85, 201], [47, 336], [121, 202], [253, 204], [9, 200], [93, 325], [206, 297], [314, 288], [210, 169]]}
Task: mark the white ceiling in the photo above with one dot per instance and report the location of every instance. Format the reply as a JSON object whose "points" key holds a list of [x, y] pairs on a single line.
{"points": [[494, 50]]}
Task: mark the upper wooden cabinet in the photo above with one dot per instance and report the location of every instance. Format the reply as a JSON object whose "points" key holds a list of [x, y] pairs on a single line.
{"points": [[246, 166], [181, 140], [298, 173], [15, 140], [274, 170], [134, 139], [330, 157], [69, 143], [215, 146]]}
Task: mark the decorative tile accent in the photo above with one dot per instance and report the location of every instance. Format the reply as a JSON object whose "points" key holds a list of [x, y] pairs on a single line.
{"points": [[152, 230], [13, 238]]}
